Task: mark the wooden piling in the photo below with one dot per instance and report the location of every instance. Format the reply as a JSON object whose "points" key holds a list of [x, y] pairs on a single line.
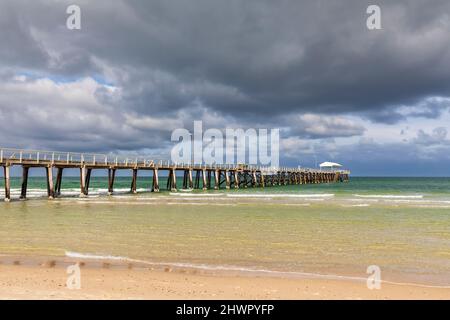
{"points": [[227, 179], [208, 179], [133, 188], [155, 185], [205, 186], [197, 179], [185, 180], [169, 181], [111, 178], [88, 180], [242, 176], [191, 183], [83, 182], [174, 180], [254, 180], [6, 172], [50, 187], [58, 182], [216, 179], [23, 193]]}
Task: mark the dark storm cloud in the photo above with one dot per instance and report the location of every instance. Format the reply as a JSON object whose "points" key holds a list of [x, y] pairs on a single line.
{"points": [[18, 45], [258, 58], [247, 58], [428, 108]]}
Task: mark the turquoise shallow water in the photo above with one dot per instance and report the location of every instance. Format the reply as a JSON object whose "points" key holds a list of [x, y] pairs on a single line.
{"points": [[425, 187], [399, 224]]}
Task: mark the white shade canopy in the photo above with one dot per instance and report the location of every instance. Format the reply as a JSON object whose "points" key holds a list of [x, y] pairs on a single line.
{"points": [[330, 165]]}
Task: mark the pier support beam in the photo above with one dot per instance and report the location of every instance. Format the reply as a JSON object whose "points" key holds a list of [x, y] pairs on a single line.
{"points": [[50, 188], [227, 179], [58, 182], [336, 177], [185, 179], [88, 180], [23, 193], [191, 183], [169, 181], [155, 185], [236, 180], [255, 181], [173, 176], [208, 179], [133, 188], [197, 179], [216, 179], [205, 185], [83, 192], [6, 171], [111, 178]]}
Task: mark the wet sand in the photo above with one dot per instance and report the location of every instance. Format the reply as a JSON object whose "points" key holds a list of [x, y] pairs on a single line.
{"points": [[49, 282]]}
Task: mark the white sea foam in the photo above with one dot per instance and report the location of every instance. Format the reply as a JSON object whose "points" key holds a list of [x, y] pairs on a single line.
{"points": [[357, 205], [196, 195], [198, 199], [361, 200], [200, 204], [281, 195], [389, 196], [231, 268], [133, 203]]}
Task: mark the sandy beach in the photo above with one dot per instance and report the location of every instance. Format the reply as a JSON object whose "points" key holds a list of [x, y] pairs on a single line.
{"points": [[47, 282]]}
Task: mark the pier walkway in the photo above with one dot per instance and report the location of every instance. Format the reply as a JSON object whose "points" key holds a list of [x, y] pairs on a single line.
{"points": [[195, 176]]}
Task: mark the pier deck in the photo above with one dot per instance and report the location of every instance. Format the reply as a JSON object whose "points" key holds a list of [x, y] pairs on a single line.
{"points": [[195, 176]]}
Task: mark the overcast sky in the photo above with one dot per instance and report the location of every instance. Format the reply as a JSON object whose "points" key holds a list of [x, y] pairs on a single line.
{"points": [[375, 100]]}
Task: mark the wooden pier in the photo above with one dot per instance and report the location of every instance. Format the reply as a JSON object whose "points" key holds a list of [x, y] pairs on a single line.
{"points": [[195, 176]]}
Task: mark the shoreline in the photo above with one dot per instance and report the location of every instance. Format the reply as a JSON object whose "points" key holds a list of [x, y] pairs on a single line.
{"points": [[49, 282], [30, 277]]}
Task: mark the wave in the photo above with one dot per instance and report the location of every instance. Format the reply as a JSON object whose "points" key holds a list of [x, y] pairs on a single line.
{"points": [[356, 205], [281, 195], [231, 268], [196, 195], [389, 196], [201, 204]]}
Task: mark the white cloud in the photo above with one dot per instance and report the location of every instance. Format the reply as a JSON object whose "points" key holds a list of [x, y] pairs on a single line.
{"points": [[322, 126]]}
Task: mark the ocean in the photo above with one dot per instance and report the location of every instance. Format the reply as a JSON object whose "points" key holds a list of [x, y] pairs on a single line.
{"points": [[334, 230]]}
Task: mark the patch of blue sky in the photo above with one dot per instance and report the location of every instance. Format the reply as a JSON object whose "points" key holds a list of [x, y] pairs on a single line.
{"points": [[64, 78]]}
